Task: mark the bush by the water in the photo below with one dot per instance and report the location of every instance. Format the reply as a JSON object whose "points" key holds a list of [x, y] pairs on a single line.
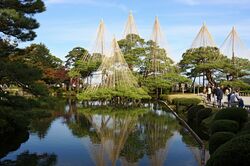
{"points": [[203, 114], [191, 112], [186, 101], [224, 125], [235, 152], [237, 114], [219, 138]]}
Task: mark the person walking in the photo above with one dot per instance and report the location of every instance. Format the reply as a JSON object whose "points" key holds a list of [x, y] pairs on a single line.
{"points": [[231, 99], [219, 95], [209, 93], [240, 100]]}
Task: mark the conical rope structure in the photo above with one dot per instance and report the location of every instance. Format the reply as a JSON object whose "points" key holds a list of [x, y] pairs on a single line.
{"points": [[99, 47], [158, 56], [98, 53], [118, 72], [116, 79], [203, 38], [234, 47], [157, 35], [130, 27]]}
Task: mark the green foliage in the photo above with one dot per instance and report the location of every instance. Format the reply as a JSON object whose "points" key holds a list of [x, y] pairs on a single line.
{"points": [[75, 55], [239, 69], [39, 88], [17, 20], [245, 129], [237, 114], [218, 139], [203, 114], [133, 47], [224, 125], [192, 111], [107, 94], [206, 60], [232, 153], [238, 84], [186, 101]]}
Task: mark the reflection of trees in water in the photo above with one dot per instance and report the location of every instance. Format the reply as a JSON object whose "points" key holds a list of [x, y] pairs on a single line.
{"points": [[193, 146], [41, 126], [134, 148], [12, 143], [158, 130], [113, 131], [31, 159], [79, 125], [125, 134]]}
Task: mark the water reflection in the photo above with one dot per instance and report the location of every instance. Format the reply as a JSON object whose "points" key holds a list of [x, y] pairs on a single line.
{"points": [[31, 159], [12, 142], [110, 136]]}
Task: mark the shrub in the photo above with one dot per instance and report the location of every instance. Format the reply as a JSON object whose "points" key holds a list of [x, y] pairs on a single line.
{"points": [[203, 114], [224, 125], [245, 129], [232, 153], [219, 138], [186, 101], [191, 113], [12, 121], [237, 114]]}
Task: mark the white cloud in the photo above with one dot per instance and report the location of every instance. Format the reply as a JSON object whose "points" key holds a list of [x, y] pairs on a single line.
{"points": [[99, 3]]}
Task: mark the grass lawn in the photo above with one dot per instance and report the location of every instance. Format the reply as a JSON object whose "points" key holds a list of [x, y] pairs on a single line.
{"points": [[181, 95]]}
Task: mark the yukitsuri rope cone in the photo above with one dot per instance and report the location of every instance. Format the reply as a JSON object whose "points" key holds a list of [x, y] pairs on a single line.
{"points": [[130, 27], [117, 84], [94, 60], [159, 55], [203, 38], [234, 47]]}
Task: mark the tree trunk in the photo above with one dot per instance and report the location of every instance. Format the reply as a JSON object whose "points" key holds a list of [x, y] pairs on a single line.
{"points": [[210, 78]]}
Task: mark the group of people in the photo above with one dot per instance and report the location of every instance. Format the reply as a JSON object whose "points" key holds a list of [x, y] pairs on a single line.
{"points": [[219, 92]]}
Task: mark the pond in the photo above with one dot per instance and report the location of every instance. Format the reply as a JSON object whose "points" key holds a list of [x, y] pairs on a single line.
{"points": [[106, 136]]}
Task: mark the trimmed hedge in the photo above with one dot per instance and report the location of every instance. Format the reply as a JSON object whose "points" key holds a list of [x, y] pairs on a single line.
{"points": [[245, 129], [191, 113], [219, 138], [203, 114], [224, 125], [237, 114], [235, 152], [186, 101]]}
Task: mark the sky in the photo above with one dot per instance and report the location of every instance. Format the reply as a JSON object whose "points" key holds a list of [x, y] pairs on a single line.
{"points": [[73, 23]]}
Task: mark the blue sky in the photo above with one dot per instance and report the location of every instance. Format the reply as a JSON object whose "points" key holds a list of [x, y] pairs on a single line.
{"points": [[70, 23]]}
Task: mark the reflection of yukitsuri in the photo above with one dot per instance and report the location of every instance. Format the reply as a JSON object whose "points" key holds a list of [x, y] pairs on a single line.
{"points": [[113, 132], [158, 131], [127, 163]]}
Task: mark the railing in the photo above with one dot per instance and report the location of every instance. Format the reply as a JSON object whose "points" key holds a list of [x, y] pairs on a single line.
{"points": [[196, 137]]}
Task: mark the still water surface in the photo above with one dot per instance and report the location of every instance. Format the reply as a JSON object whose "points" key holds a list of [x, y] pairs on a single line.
{"points": [[104, 136]]}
